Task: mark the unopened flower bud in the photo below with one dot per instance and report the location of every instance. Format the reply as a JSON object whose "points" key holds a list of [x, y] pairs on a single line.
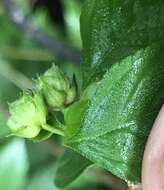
{"points": [[54, 98], [56, 78], [57, 88], [71, 95], [28, 114]]}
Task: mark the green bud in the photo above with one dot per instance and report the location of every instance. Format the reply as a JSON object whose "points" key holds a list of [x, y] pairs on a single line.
{"points": [[54, 98], [56, 88], [71, 95], [56, 78], [28, 114]]}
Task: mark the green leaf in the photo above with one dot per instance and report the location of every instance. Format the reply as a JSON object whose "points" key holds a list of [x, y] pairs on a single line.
{"points": [[73, 116], [114, 29], [113, 129], [13, 165], [42, 136], [86, 181], [69, 167]]}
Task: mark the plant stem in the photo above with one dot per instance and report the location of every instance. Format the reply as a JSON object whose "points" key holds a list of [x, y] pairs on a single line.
{"points": [[14, 76], [55, 46], [53, 129]]}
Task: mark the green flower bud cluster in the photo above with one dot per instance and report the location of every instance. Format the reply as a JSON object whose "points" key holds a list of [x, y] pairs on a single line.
{"points": [[29, 114], [56, 88]]}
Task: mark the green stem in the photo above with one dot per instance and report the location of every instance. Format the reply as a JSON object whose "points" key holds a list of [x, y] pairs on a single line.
{"points": [[53, 129]]}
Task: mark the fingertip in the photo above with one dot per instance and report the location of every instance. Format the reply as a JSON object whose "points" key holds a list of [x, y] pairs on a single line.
{"points": [[153, 156]]}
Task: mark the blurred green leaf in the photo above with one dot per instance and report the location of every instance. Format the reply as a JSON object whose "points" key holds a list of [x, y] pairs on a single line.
{"points": [[13, 165], [69, 167], [43, 179], [39, 155], [72, 16], [85, 181], [4, 130]]}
